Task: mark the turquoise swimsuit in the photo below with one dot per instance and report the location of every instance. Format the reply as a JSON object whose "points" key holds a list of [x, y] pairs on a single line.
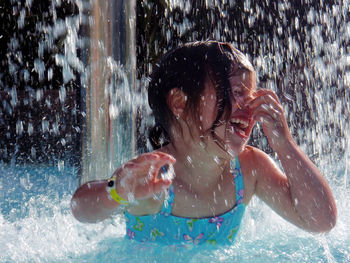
{"points": [[168, 229]]}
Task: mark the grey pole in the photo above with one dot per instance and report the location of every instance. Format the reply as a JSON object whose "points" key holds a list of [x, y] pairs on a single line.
{"points": [[108, 137]]}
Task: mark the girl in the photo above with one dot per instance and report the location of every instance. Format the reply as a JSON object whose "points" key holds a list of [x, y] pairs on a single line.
{"points": [[205, 102]]}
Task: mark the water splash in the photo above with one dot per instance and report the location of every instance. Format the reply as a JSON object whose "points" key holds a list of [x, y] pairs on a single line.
{"points": [[312, 80]]}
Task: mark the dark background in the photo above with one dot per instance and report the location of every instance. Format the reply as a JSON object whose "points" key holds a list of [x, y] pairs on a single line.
{"points": [[52, 126]]}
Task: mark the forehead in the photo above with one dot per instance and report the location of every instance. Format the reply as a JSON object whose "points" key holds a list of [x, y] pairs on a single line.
{"points": [[245, 78], [240, 79], [241, 75]]}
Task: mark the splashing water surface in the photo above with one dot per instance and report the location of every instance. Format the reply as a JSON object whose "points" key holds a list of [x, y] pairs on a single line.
{"points": [[299, 51]]}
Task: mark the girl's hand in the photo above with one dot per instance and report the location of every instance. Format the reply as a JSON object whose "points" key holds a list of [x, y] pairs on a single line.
{"points": [[267, 109], [138, 177]]}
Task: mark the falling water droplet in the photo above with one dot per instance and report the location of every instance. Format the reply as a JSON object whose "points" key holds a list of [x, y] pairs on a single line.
{"points": [[189, 160], [60, 165], [19, 127], [30, 128], [231, 153], [33, 153], [73, 204], [62, 94], [276, 133], [169, 174], [216, 159], [131, 198]]}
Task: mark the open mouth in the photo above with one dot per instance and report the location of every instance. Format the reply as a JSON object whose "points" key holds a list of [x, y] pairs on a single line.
{"points": [[240, 127]]}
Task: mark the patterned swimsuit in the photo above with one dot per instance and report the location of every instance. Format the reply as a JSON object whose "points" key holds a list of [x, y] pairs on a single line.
{"points": [[168, 229]]}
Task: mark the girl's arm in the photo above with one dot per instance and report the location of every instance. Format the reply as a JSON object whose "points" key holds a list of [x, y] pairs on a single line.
{"points": [[301, 195], [92, 202]]}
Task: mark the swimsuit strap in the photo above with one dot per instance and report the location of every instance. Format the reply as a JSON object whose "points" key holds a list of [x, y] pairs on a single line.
{"points": [[168, 202], [235, 169]]}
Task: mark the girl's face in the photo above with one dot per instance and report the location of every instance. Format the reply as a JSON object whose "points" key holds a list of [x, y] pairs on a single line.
{"points": [[234, 133]]}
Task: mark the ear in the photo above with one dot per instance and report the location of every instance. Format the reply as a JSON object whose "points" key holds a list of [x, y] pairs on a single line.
{"points": [[177, 102]]}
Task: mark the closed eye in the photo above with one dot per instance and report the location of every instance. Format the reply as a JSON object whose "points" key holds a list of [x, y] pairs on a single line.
{"points": [[237, 91]]}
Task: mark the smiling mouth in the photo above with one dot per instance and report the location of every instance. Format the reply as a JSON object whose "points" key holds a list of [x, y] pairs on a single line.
{"points": [[240, 127]]}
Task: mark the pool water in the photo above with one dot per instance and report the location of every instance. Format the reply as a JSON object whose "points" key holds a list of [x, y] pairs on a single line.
{"points": [[36, 225]]}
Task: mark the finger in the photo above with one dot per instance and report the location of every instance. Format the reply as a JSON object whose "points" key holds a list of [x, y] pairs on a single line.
{"points": [[145, 161], [144, 168], [146, 157], [265, 118], [266, 110], [160, 185], [131, 165], [274, 95], [155, 157], [266, 98], [267, 104], [165, 156], [161, 159], [262, 92], [158, 169], [267, 93]]}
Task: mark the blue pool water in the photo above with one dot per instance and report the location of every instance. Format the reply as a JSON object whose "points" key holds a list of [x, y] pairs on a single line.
{"points": [[36, 225]]}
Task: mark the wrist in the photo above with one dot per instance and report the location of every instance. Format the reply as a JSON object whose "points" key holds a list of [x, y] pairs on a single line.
{"points": [[281, 142], [286, 148], [116, 192]]}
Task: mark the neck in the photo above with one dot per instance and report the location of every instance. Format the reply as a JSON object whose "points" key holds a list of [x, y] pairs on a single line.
{"points": [[195, 168]]}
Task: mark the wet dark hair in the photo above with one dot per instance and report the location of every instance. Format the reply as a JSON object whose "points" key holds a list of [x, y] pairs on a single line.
{"points": [[187, 68]]}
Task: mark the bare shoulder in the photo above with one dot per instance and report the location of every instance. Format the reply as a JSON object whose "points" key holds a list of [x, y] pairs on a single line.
{"points": [[250, 159], [256, 158], [247, 160], [262, 167], [254, 164]]}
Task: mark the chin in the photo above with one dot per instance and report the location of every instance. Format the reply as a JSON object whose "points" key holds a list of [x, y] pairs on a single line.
{"points": [[236, 143], [235, 136], [235, 149]]}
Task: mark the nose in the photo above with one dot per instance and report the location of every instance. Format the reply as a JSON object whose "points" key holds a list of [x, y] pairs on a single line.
{"points": [[242, 102], [238, 105]]}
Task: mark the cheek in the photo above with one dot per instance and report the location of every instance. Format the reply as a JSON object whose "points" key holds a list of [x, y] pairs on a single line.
{"points": [[221, 131], [239, 102]]}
